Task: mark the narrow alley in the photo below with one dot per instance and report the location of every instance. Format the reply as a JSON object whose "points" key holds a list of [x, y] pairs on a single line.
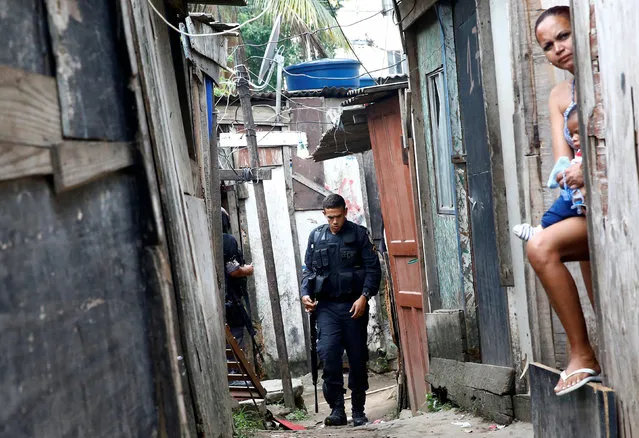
{"points": [[421, 209]]}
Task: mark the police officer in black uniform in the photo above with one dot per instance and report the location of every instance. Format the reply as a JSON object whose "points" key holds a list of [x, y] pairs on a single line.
{"points": [[342, 273]]}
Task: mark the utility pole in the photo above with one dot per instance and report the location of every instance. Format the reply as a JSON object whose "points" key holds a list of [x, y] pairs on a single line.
{"points": [[265, 231]]}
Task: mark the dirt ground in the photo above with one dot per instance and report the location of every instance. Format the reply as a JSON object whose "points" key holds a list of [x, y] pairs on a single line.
{"points": [[381, 410]]}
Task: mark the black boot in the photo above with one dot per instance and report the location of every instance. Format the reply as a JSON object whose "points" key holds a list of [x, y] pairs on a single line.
{"points": [[337, 417], [358, 400], [359, 419]]}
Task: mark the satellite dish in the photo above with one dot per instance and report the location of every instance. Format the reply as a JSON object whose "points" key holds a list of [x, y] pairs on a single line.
{"points": [[269, 53]]}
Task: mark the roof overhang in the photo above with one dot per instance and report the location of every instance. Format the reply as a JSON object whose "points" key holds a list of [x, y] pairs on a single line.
{"points": [[350, 134]]}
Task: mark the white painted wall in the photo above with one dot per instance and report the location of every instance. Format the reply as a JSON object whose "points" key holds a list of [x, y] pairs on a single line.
{"points": [[285, 268], [341, 176], [517, 300], [371, 38]]}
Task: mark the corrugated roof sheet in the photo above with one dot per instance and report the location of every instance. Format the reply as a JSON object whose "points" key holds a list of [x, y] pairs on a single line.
{"points": [[350, 137]]}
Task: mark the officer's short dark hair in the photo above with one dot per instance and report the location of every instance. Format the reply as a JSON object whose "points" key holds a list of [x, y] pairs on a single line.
{"points": [[333, 201]]}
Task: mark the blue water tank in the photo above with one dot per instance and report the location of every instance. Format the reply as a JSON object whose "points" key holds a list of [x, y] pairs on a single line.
{"points": [[322, 73], [366, 81]]}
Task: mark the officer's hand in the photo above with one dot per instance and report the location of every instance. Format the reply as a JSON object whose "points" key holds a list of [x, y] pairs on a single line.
{"points": [[248, 269], [309, 304], [359, 307]]}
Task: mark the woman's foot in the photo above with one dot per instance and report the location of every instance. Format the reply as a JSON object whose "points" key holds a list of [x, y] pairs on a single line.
{"points": [[526, 231], [575, 364]]}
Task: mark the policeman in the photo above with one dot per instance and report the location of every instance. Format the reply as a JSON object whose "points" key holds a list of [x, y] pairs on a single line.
{"points": [[236, 271], [342, 273]]}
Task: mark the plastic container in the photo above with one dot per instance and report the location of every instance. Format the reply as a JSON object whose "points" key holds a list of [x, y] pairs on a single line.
{"points": [[366, 81], [341, 73]]}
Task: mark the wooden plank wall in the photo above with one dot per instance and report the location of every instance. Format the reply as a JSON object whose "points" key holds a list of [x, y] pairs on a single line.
{"points": [[77, 353], [199, 299], [91, 71], [490, 296], [608, 84], [91, 336]]}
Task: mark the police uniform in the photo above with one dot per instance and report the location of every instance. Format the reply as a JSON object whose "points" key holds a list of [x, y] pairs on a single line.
{"points": [[340, 268]]}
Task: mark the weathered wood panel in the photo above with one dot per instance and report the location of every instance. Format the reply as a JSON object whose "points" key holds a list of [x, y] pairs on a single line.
{"points": [[201, 313], [29, 109], [446, 249], [74, 311], [213, 48], [609, 103], [17, 161], [552, 416], [420, 176], [24, 36], [411, 10], [91, 70], [446, 334], [78, 162], [490, 295]]}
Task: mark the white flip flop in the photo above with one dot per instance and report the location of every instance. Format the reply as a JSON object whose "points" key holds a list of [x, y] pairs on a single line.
{"points": [[594, 377]]}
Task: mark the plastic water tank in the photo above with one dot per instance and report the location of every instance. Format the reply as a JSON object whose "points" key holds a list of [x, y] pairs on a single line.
{"points": [[366, 81], [322, 73]]}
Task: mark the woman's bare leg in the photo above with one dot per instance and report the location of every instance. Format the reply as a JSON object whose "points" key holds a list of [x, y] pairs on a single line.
{"points": [[547, 251], [587, 275]]}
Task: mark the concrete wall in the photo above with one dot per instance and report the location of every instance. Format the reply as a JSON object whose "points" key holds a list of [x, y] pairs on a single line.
{"points": [[286, 274]]}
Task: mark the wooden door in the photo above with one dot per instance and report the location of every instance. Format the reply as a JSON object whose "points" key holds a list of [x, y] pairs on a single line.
{"points": [[398, 211]]}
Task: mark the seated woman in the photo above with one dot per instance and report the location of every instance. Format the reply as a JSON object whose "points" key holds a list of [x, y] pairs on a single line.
{"points": [[566, 240]]}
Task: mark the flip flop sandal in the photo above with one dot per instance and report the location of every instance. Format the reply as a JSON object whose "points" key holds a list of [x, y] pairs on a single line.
{"points": [[594, 377]]}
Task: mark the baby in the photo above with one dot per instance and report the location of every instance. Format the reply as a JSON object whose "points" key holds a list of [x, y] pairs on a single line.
{"points": [[571, 201]]}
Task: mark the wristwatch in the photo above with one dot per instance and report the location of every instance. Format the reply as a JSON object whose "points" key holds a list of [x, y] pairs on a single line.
{"points": [[366, 294]]}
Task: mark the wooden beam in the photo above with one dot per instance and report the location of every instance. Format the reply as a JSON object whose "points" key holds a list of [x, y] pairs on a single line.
{"points": [[213, 47], [265, 234], [264, 140], [17, 161], [79, 162], [238, 175], [311, 184], [29, 108], [411, 10]]}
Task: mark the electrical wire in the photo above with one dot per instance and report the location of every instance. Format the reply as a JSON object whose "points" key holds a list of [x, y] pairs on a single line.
{"points": [[191, 35], [346, 38]]}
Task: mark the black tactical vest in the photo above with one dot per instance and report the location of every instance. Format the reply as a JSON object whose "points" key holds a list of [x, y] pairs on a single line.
{"points": [[338, 259]]}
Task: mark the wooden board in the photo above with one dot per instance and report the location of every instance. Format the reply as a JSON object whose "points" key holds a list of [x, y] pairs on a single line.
{"points": [[74, 327], [25, 37], [91, 71], [78, 162], [411, 10], [588, 412], [198, 298], [490, 296], [213, 47], [307, 114], [264, 139], [267, 157], [17, 161], [446, 334], [29, 109], [609, 116]]}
